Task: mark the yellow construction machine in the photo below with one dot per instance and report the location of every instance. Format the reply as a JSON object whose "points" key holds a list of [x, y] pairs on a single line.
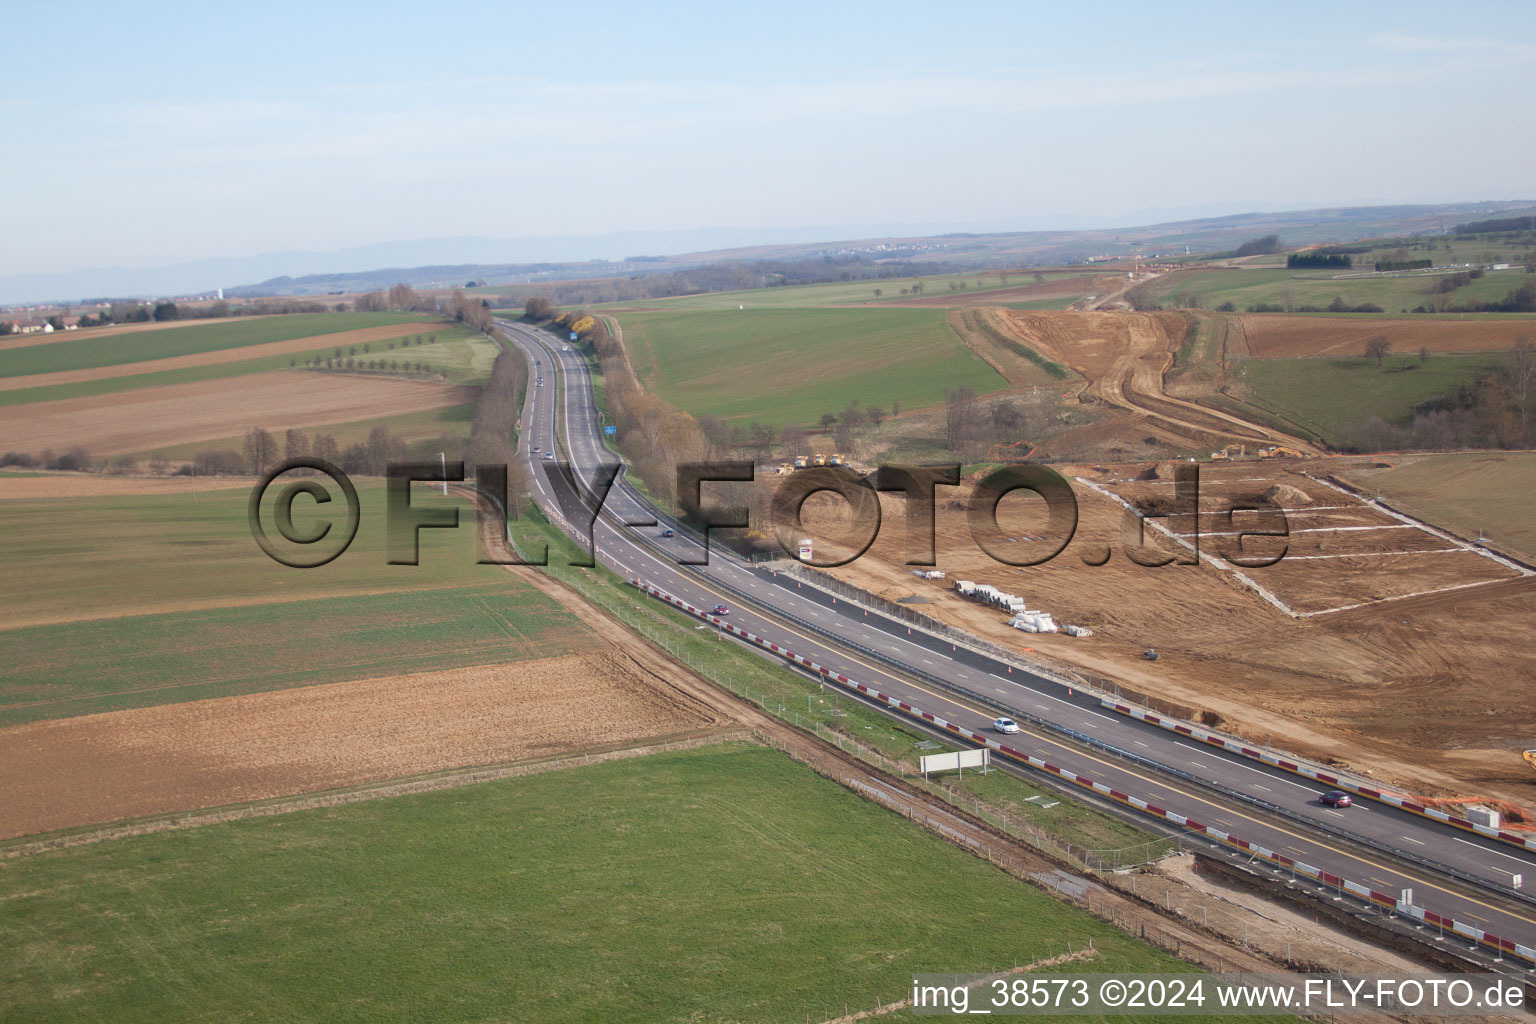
{"points": [[1530, 755], [1280, 449], [1226, 453], [818, 460]]}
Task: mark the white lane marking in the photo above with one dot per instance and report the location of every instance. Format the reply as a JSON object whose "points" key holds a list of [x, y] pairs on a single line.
{"points": [[1496, 853], [1412, 840]]}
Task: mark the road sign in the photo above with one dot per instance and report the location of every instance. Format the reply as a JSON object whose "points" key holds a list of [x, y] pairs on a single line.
{"points": [[958, 760], [573, 335], [610, 430]]}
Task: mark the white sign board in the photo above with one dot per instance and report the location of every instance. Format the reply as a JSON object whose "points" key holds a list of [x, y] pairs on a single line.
{"points": [[805, 551], [956, 760]]}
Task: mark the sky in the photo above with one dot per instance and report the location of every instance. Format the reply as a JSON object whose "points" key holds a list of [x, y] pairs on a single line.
{"points": [[141, 136]]}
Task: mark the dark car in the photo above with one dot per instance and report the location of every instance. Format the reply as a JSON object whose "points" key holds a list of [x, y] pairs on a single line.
{"points": [[1336, 798], [721, 609], [667, 532]]}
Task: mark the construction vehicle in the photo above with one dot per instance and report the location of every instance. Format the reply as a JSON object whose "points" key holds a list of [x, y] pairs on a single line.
{"points": [[818, 459], [801, 462], [1280, 449], [1530, 755], [1226, 453], [836, 459]]}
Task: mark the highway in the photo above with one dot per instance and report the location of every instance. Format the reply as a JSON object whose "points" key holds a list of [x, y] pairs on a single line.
{"points": [[1259, 803]]}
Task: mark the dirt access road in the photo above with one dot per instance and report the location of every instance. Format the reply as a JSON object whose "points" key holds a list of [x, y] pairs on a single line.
{"points": [[1124, 358]]}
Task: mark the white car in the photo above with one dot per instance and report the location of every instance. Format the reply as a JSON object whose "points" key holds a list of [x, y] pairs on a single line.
{"points": [[1006, 726]]}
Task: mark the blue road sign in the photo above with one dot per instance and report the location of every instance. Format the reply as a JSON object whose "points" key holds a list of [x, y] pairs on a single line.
{"points": [[610, 430]]}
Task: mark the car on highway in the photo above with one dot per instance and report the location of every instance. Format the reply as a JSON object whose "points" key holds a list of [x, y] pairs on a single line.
{"points": [[1006, 726], [667, 532], [549, 456], [536, 449], [721, 609], [1336, 798]]}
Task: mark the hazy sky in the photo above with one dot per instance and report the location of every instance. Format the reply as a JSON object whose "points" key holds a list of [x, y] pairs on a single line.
{"points": [[144, 135]]}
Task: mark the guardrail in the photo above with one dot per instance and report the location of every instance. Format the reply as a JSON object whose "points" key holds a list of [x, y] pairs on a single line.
{"points": [[1343, 885], [1234, 746], [1297, 867]]}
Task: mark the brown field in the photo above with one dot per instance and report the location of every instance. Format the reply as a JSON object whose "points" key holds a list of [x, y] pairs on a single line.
{"points": [[227, 355], [23, 340], [1285, 337], [1398, 687], [79, 771], [133, 421], [47, 486]]}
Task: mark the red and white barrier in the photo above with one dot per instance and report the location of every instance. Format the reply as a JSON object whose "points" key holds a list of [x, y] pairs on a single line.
{"points": [[1383, 899], [1307, 771]]}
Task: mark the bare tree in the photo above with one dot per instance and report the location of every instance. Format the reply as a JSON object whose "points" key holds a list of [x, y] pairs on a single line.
{"points": [[1378, 347], [875, 415], [295, 445], [260, 450], [794, 440], [1522, 372]]}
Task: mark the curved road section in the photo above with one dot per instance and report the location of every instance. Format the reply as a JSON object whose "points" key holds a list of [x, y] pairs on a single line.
{"points": [[1462, 882]]}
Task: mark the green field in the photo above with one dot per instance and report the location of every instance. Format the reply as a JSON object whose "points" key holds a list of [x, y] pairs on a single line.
{"points": [[461, 356], [1468, 492], [1327, 396], [791, 365], [88, 558], [726, 883], [83, 668], [87, 352], [841, 293], [1244, 288]]}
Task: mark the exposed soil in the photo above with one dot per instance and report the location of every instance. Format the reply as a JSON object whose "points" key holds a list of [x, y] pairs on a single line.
{"points": [[345, 339], [1284, 337], [79, 771], [1124, 358], [91, 485], [1431, 693], [133, 421]]}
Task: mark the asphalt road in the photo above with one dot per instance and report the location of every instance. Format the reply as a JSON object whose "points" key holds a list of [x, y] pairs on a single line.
{"points": [[796, 616]]}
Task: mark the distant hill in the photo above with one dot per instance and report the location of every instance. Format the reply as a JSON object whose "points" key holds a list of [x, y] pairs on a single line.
{"points": [[448, 261]]}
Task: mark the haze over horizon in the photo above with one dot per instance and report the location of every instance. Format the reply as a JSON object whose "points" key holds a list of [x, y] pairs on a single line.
{"points": [[168, 145]]}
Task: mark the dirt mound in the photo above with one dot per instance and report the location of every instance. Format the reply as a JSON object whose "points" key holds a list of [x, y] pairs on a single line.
{"points": [[1287, 496]]}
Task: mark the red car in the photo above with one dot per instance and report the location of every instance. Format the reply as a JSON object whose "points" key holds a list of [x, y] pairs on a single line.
{"points": [[721, 609], [1336, 798]]}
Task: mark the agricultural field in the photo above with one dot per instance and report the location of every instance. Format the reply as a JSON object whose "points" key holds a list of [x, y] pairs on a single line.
{"points": [[86, 350], [1059, 288], [1397, 294], [449, 422], [1327, 396], [1470, 493], [722, 883], [191, 550], [1274, 336], [177, 414], [131, 767], [792, 365]]}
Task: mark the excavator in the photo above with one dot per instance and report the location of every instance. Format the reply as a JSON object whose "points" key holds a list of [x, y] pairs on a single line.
{"points": [[1226, 453], [1530, 756], [1280, 449]]}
